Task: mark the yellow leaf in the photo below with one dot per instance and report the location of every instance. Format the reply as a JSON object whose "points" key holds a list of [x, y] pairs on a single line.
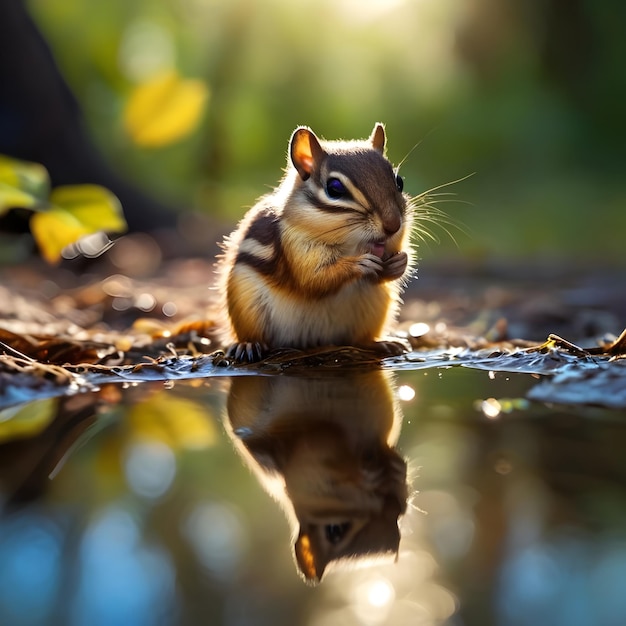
{"points": [[164, 109], [95, 207], [177, 422], [76, 211], [22, 184], [26, 420], [53, 230], [14, 198]]}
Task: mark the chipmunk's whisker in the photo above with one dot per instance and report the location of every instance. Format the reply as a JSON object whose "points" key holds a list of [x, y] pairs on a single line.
{"points": [[443, 185], [426, 213]]}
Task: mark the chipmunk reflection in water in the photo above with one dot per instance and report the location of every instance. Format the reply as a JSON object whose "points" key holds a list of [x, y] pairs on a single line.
{"points": [[323, 447]]}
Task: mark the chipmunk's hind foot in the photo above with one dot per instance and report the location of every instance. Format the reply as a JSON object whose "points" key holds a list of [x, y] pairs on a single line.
{"points": [[247, 352]]}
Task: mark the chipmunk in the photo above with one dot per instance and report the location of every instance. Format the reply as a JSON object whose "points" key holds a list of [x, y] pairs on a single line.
{"points": [[324, 448], [321, 260]]}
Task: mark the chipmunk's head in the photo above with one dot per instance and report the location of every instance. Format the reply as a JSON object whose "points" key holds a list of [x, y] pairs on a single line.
{"points": [[348, 193]]}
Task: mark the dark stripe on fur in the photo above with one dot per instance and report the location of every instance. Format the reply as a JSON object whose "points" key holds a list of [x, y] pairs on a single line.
{"points": [[314, 201], [267, 267], [264, 229]]}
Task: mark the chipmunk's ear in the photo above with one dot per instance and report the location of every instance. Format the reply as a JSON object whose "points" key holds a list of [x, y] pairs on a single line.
{"points": [[377, 138], [305, 151], [306, 559]]}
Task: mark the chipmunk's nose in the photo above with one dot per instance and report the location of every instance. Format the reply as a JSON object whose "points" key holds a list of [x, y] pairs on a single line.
{"points": [[391, 224]]}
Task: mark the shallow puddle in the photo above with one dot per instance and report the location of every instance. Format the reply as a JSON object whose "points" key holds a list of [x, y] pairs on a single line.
{"points": [[213, 500]]}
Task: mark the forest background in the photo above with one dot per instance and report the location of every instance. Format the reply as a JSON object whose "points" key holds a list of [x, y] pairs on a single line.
{"points": [[526, 97]]}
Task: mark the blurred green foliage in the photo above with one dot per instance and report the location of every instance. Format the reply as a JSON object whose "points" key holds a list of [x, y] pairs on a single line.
{"points": [[61, 216], [527, 95]]}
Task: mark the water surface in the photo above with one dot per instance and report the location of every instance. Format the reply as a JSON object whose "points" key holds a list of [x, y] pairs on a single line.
{"points": [[440, 496]]}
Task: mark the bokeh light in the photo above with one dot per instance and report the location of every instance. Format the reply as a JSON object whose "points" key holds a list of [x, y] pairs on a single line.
{"points": [[150, 468], [121, 579]]}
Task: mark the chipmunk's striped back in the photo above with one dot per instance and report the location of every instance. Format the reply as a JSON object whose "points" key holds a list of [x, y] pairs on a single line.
{"points": [[318, 261], [260, 247]]}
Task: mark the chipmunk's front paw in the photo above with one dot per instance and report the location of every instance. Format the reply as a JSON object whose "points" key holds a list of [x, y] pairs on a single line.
{"points": [[246, 352], [370, 265], [395, 266], [393, 347], [387, 347]]}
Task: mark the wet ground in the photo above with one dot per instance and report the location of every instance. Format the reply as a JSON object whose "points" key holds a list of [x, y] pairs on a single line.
{"points": [[470, 484]]}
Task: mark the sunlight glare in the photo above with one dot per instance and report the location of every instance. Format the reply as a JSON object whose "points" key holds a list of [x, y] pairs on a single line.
{"points": [[491, 408], [380, 593], [418, 329], [368, 11], [406, 393], [373, 599]]}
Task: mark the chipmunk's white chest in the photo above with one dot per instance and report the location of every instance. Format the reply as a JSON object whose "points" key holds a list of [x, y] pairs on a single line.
{"points": [[355, 311]]}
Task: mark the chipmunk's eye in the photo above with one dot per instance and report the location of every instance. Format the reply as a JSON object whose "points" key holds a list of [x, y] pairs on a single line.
{"points": [[336, 532], [399, 182], [336, 189]]}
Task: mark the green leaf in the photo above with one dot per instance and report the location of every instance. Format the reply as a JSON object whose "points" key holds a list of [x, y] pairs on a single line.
{"points": [[75, 211], [22, 184]]}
